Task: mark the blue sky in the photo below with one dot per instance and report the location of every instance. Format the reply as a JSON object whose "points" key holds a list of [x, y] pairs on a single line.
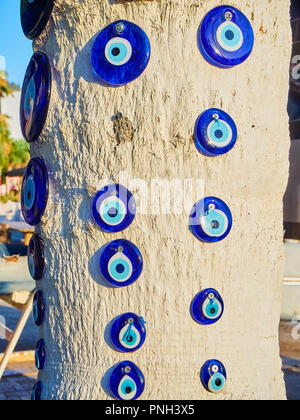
{"points": [[14, 46]]}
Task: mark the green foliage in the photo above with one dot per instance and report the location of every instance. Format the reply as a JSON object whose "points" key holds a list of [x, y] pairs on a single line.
{"points": [[12, 196]]}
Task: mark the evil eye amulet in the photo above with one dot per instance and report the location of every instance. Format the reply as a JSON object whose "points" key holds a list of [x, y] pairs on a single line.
{"points": [[225, 37], [38, 308], [215, 133], [36, 259], [207, 307], [120, 53], [210, 220], [35, 191], [121, 263], [40, 355], [126, 381], [114, 208], [37, 392], [128, 332], [213, 376], [34, 16], [35, 96]]}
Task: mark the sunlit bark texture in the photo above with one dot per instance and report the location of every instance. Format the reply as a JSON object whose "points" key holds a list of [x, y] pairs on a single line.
{"points": [[82, 145]]}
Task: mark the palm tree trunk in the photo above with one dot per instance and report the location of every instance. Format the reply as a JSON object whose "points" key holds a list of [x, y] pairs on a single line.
{"points": [[82, 146]]}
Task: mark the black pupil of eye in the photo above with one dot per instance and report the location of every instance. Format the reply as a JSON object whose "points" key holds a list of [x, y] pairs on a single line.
{"points": [[218, 134], [120, 268], [229, 35], [218, 382], [215, 224], [128, 390], [212, 311], [29, 195], [115, 51], [130, 339], [113, 212]]}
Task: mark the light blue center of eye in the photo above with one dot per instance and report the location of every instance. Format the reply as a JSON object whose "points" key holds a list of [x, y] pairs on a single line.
{"points": [[129, 336], [112, 212], [212, 309], [214, 223], [127, 387], [35, 312], [219, 132], [231, 35], [116, 271], [217, 382], [29, 193], [29, 98], [117, 52]]}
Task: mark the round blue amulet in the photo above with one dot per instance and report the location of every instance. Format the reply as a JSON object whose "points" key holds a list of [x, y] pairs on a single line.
{"points": [[40, 355], [37, 392], [213, 376], [121, 263], [215, 133], [128, 332], [114, 208], [34, 16], [225, 37], [35, 191], [207, 307], [38, 308], [35, 97], [36, 259], [120, 53], [126, 381], [210, 220]]}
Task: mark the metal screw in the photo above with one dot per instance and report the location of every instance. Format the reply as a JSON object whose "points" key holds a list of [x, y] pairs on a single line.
{"points": [[211, 296], [211, 206], [216, 117], [120, 249], [215, 368], [127, 369], [228, 15], [120, 27], [130, 321]]}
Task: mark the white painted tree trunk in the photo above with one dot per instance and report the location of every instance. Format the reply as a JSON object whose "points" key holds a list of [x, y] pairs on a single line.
{"points": [[80, 149]]}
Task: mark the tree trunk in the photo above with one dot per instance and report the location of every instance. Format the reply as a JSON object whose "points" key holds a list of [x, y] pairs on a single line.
{"points": [[81, 147]]}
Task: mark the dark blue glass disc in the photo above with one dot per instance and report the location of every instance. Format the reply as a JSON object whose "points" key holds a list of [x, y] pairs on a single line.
{"points": [[210, 220], [40, 355], [213, 376], [38, 308], [126, 381], [35, 98], [36, 259], [207, 307], [225, 37], [128, 332], [35, 191], [114, 208], [215, 133], [121, 263], [37, 392], [120, 53], [34, 16]]}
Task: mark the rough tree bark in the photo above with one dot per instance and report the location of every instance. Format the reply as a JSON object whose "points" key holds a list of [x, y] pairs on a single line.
{"points": [[80, 148]]}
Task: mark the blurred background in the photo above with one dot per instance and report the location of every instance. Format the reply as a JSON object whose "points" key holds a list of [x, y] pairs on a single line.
{"points": [[15, 281]]}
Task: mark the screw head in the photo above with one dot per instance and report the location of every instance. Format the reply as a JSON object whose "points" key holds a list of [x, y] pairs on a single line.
{"points": [[215, 368], [211, 206], [228, 15], [120, 27], [216, 117], [127, 369], [211, 296], [120, 249]]}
